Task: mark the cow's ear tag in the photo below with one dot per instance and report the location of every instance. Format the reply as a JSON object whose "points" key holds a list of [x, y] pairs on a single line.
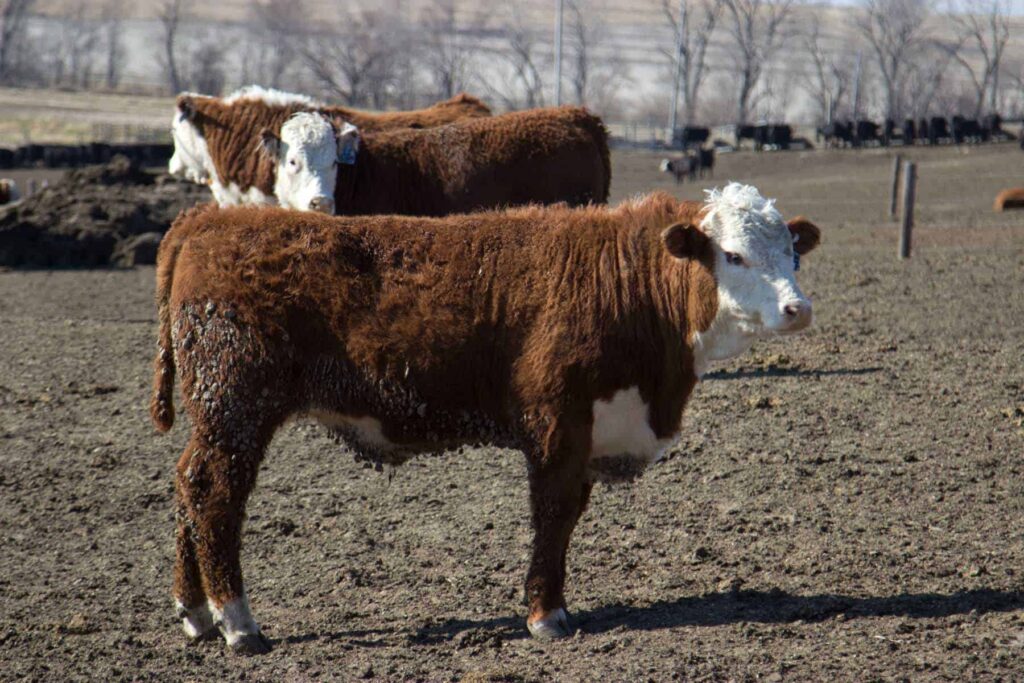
{"points": [[347, 155], [348, 144], [796, 254]]}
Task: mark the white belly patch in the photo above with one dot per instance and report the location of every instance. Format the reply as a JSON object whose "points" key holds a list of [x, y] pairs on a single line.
{"points": [[622, 430], [366, 431]]}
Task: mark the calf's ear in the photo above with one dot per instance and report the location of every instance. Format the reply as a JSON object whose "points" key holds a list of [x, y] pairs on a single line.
{"points": [[186, 107], [806, 234], [684, 240], [270, 144]]}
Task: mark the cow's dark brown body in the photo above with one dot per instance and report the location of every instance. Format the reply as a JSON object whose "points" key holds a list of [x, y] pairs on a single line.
{"points": [[539, 156]]}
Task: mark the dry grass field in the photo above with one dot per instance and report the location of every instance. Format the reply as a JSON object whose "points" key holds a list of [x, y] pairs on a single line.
{"points": [[845, 505]]}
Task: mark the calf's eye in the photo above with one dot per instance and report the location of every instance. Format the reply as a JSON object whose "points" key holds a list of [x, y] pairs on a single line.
{"points": [[733, 258]]}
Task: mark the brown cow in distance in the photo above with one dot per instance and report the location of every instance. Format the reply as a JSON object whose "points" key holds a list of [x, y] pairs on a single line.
{"points": [[573, 335], [216, 140], [1012, 198], [539, 156]]}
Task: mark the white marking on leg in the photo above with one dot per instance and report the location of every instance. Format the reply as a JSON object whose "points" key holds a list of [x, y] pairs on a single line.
{"points": [[234, 619], [196, 621], [552, 626]]}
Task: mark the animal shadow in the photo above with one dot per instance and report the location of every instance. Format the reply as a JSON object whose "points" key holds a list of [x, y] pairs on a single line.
{"points": [[718, 609], [775, 371], [779, 607]]}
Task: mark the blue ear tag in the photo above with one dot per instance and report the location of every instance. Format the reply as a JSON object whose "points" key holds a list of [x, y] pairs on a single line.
{"points": [[796, 261], [348, 153]]}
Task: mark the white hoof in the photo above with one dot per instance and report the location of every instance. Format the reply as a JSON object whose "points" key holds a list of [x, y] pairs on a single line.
{"points": [[197, 622], [236, 623], [553, 626]]}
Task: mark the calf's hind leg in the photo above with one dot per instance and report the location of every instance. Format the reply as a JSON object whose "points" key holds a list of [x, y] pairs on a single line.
{"points": [[189, 597], [215, 478]]}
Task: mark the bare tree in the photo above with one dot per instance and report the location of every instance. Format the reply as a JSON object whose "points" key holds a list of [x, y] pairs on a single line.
{"points": [[171, 14], [693, 25], [522, 55], [831, 71], [112, 24], [355, 59], [207, 67], [757, 28], [594, 78], [928, 91], [71, 51], [984, 25], [13, 14], [276, 36], [82, 42], [447, 55], [895, 30]]}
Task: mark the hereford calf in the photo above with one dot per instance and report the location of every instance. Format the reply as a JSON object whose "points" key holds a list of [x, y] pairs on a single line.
{"points": [[573, 335], [538, 156], [216, 140]]}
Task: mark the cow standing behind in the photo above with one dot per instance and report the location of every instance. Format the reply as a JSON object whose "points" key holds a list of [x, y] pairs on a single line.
{"points": [[8, 191], [695, 163], [540, 156], [216, 141], [573, 335]]}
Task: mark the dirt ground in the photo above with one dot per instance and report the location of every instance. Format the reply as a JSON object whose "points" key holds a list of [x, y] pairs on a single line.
{"points": [[845, 505]]}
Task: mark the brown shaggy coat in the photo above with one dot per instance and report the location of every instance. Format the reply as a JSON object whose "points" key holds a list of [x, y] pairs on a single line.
{"points": [[498, 327], [1012, 198], [232, 130], [539, 156]]}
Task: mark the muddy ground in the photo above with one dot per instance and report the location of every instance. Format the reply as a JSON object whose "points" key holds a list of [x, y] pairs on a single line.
{"points": [[845, 505], [112, 214]]}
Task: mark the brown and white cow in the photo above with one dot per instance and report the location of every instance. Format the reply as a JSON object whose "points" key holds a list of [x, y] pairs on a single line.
{"points": [[216, 140], [573, 335], [543, 156]]}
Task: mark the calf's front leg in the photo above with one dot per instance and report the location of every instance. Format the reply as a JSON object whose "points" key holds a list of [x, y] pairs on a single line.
{"points": [[559, 492]]}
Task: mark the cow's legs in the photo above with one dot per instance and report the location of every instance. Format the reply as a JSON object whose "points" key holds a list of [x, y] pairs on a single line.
{"points": [[559, 491], [189, 598], [215, 482]]}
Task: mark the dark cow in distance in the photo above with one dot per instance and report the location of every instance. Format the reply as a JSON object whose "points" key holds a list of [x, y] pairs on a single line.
{"points": [[696, 163], [681, 167], [573, 335]]}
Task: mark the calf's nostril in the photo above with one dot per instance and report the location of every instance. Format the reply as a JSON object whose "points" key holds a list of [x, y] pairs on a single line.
{"points": [[791, 310]]}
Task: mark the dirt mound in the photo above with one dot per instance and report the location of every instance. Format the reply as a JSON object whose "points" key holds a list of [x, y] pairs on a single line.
{"points": [[95, 216]]}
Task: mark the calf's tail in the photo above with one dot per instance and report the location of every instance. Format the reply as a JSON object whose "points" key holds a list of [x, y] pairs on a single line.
{"points": [[161, 406]]}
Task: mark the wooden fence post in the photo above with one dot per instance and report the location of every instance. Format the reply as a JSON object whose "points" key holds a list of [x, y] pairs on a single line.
{"points": [[897, 163], [909, 183]]}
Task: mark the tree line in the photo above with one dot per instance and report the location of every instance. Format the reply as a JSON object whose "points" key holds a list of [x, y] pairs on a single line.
{"points": [[886, 58]]}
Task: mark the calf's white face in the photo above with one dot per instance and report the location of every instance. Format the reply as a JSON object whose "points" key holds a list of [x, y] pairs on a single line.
{"points": [[755, 261], [191, 159], [306, 156]]}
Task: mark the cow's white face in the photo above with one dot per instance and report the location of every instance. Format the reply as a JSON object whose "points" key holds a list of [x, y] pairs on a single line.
{"points": [[306, 156], [191, 159], [754, 270]]}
